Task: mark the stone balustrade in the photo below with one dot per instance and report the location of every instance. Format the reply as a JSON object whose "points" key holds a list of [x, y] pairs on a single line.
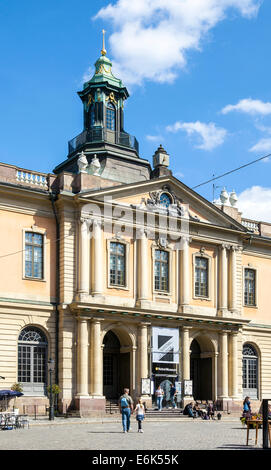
{"points": [[33, 178]]}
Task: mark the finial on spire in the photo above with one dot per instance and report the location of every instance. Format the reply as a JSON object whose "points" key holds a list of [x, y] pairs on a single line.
{"points": [[103, 51]]}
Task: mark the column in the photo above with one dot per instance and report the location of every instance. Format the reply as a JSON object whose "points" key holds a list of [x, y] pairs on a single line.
{"points": [[82, 357], [233, 279], [184, 271], [84, 254], [185, 353], [97, 361], [214, 372], [223, 281], [98, 255], [143, 267], [133, 370], [223, 365], [234, 364], [143, 352]]}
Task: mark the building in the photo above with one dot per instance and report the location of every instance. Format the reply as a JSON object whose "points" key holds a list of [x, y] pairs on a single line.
{"points": [[121, 273]]}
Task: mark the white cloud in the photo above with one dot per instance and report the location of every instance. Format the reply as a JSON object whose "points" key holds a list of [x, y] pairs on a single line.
{"points": [[249, 106], [150, 38], [255, 203], [178, 175], [155, 138], [210, 135], [264, 145]]}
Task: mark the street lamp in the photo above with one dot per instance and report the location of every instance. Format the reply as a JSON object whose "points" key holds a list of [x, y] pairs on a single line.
{"points": [[51, 368]]}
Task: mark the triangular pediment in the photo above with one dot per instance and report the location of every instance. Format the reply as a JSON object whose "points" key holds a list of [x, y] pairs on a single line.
{"points": [[146, 196]]}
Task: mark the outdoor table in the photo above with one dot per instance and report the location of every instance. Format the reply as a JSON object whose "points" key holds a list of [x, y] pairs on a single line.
{"points": [[258, 422]]}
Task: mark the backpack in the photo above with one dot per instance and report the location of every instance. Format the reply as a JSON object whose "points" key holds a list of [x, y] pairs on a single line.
{"points": [[123, 402]]}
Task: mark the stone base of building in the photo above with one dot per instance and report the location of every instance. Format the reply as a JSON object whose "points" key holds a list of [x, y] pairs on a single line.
{"points": [[32, 406], [90, 406]]}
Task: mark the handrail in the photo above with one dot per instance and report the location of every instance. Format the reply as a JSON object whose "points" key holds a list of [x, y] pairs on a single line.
{"points": [[100, 134]]}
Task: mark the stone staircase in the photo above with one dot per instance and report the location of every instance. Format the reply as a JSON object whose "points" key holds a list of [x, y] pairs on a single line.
{"points": [[112, 407], [165, 413]]}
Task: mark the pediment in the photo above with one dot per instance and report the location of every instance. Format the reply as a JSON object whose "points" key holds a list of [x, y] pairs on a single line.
{"points": [[146, 196]]}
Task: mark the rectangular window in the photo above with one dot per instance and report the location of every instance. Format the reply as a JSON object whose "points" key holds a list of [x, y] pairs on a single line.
{"points": [[161, 270], [201, 277], [33, 255], [250, 287], [117, 264]]}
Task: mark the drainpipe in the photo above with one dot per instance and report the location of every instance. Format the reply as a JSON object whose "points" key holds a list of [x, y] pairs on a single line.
{"points": [[53, 198]]}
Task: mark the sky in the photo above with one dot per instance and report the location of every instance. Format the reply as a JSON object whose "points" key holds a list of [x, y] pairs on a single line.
{"points": [[198, 73]]}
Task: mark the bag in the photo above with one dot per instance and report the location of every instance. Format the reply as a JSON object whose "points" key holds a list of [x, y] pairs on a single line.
{"points": [[124, 403]]}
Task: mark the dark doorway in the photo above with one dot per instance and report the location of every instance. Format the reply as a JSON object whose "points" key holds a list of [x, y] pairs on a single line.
{"points": [[200, 373], [116, 367]]}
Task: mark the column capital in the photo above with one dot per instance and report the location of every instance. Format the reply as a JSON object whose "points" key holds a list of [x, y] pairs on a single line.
{"points": [[96, 320], [224, 332], [81, 319], [144, 324], [143, 233], [234, 333], [186, 328], [85, 219], [186, 239], [97, 223], [225, 246], [236, 248]]}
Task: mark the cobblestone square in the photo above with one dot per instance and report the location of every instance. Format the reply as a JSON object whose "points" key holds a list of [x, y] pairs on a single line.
{"points": [[108, 435]]}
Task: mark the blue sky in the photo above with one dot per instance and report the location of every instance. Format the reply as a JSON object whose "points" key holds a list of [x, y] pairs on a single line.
{"points": [[198, 73]]}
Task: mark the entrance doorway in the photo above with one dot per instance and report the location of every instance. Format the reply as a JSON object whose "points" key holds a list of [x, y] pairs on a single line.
{"points": [[200, 373], [116, 367]]}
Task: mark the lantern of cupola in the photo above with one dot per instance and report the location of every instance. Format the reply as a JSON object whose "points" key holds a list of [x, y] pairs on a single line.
{"points": [[103, 134], [103, 97]]}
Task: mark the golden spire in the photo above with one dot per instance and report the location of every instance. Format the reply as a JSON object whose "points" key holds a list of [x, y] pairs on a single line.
{"points": [[103, 51]]}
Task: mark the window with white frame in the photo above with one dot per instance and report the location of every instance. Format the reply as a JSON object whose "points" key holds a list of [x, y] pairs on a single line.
{"points": [[161, 271], [250, 371], [34, 262], [117, 270], [201, 276], [249, 287], [32, 360]]}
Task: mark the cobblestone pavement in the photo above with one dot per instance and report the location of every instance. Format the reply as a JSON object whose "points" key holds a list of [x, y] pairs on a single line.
{"points": [[158, 435]]}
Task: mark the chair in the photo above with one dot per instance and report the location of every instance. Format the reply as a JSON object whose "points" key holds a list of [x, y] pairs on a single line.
{"points": [[22, 421], [8, 421]]}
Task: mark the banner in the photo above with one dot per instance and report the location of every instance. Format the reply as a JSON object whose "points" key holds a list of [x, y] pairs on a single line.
{"points": [[165, 345]]}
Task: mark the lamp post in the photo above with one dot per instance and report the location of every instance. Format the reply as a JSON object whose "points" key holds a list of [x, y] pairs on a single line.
{"points": [[51, 368]]}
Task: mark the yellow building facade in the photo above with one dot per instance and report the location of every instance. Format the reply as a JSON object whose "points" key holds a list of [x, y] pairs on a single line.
{"points": [[126, 277]]}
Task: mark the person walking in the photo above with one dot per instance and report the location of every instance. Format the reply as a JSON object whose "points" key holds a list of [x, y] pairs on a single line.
{"points": [[126, 409], [172, 393], [140, 414], [159, 397]]}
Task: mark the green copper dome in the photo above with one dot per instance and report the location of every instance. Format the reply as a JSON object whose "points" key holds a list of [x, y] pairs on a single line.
{"points": [[103, 73]]}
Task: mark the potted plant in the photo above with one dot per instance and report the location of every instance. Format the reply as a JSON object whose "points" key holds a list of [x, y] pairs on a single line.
{"points": [[55, 391], [16, 387]]}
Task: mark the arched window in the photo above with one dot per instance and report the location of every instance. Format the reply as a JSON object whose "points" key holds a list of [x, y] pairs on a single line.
{"points": [[110, 117], [250, 371], [32, 360]]}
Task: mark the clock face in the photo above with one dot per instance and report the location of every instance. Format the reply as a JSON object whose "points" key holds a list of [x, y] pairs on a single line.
{"points": [[165, 200]]}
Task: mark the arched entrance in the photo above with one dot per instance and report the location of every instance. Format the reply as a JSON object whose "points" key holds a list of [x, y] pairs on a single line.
{"points": [[116, 367], [201, 371]]}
